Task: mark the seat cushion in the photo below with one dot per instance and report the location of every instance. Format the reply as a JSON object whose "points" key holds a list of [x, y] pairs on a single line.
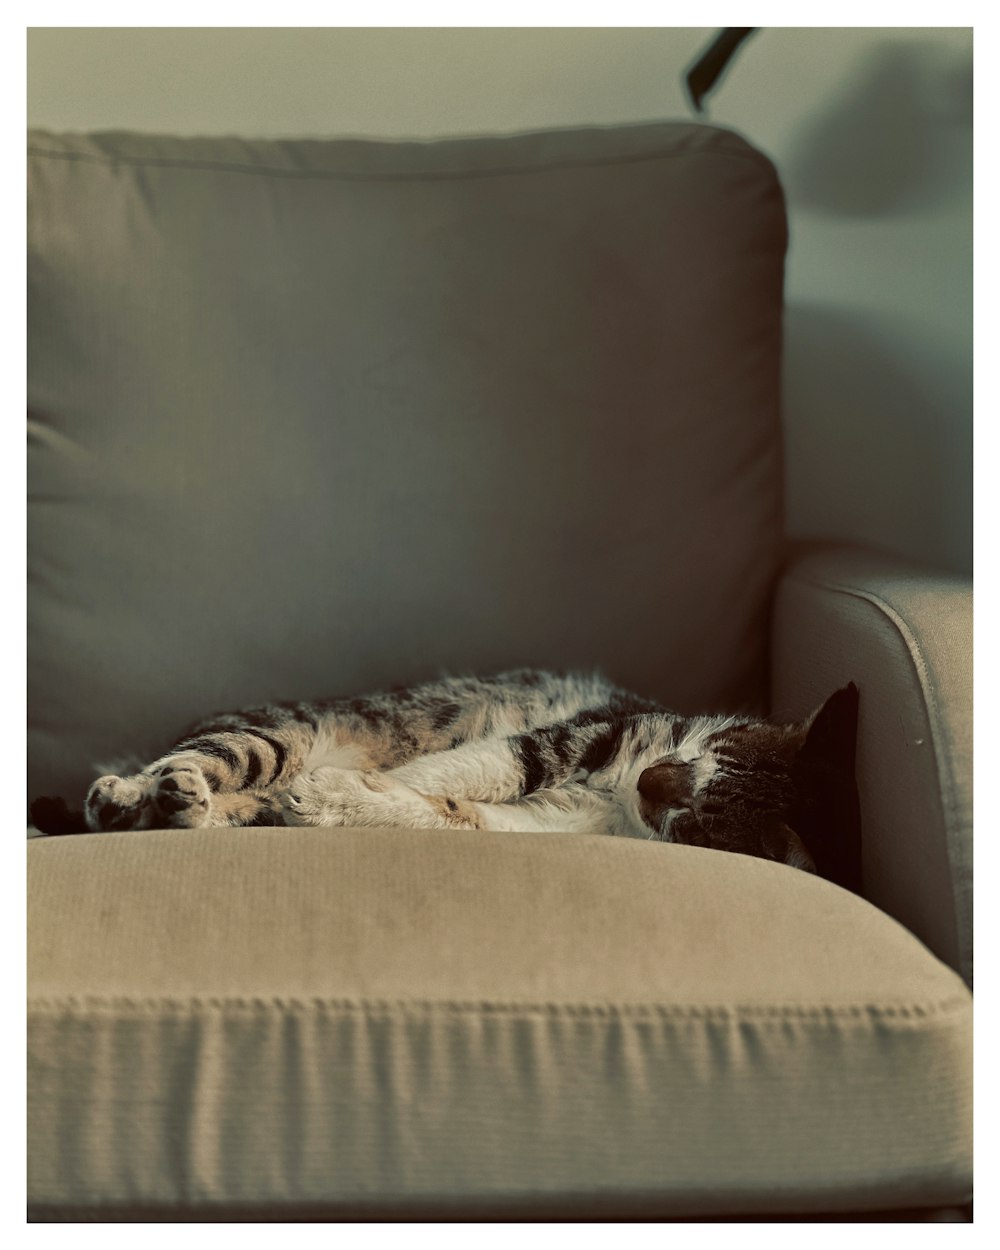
{"points": [[317, 418], [321, 1022]]}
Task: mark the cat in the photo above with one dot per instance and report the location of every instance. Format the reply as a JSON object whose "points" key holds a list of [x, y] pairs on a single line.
{"points": [[524, 750]]}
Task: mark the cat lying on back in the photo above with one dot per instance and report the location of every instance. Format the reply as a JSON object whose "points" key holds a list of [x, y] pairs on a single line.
{"points": [[523, 751]]}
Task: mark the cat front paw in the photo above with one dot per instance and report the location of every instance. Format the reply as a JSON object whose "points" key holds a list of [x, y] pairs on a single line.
{"points": [[118, 803]]}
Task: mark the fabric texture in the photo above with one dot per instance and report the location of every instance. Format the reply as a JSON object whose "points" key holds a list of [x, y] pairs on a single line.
{"points": [[315, 418], [394, 1016], [904, 635]]}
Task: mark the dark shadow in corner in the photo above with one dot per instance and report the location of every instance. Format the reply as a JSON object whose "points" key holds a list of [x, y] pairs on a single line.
{"points": [[888, 139], [871, 455]]}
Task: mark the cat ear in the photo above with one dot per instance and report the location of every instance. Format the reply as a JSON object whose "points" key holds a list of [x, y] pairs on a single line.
{"points": [[795, 852], [832, 730], [828, 813]]}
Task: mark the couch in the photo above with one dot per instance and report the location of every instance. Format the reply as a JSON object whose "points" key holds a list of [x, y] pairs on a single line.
{"points": [[320, 417]]}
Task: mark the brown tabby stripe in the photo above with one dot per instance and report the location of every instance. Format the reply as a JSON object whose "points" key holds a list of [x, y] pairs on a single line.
{"points": [[254, 767], [256, 764], [216, 749]]}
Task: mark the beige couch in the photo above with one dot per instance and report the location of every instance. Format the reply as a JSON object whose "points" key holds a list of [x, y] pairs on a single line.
{"points": [[322, 417]]}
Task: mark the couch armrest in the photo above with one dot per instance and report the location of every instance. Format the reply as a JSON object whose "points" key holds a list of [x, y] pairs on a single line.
{"points": [[904, 635]]}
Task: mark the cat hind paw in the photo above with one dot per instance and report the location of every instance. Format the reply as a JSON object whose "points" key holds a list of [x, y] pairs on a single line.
{"points": [[341, 797]]}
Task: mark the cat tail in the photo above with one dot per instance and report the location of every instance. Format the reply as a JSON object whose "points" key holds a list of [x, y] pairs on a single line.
{"points": [[54, 817]]}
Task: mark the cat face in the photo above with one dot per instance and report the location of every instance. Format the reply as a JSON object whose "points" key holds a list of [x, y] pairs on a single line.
{"points": [[778, 792]]}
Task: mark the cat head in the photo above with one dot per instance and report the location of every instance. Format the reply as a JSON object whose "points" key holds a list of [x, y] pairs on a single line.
{"points": [[779, 792]]}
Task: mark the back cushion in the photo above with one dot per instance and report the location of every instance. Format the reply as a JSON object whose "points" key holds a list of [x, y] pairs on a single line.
{"points": [[310, 418]]}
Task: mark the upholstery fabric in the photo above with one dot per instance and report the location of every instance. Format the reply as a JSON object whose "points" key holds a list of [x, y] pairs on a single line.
{"points": [[325, 1019], [315, 418], [904, 635]]}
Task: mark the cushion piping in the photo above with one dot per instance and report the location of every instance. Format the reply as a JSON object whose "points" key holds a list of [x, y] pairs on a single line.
{"points": [[553, 166], [946, 1006]]}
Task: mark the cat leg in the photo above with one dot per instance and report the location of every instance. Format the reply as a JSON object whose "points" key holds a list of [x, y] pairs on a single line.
{"points": [[409, 795], [226, 771], [184, 790], [332, 797], [335, 796], [494, 771]]}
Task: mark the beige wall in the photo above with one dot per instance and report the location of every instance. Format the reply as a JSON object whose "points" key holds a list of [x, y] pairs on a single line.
{"points": [[871, 130]]}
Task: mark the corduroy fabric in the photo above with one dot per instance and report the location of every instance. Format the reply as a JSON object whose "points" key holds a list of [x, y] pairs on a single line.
{"points": [[324, 1018], [904, 635], [315, 418]]}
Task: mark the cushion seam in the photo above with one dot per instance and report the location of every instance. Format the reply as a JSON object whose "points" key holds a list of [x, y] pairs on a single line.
{"points": [[946, 1006], [946, 782], [416, 176]]}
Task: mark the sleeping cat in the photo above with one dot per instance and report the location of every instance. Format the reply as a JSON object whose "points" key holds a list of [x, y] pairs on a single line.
{"points": [[524, 750]]}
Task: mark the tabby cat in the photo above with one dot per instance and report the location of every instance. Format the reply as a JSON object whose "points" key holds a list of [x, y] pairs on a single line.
{"points": [[523, 750]]}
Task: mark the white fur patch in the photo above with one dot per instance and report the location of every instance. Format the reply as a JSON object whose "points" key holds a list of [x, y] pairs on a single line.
{"points": [[693, 748], [331, 751], [484, 771], [572, 808], [692, 745], [704, 768]]}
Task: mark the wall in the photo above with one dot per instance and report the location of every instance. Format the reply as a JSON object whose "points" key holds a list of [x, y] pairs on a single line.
{"points": [[871, 130]]}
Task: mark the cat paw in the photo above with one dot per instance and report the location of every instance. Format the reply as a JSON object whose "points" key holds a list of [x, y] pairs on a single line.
{"points": [[337, 796], [181, 799], [174, 798], [116, 803]]}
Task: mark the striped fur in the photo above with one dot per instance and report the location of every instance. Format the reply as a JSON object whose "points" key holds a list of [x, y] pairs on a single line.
{"points": [[523, 750]]}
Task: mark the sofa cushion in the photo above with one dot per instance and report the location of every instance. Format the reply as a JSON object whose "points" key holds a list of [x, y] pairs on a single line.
{"points": [[330, 1021], [315, 418]]}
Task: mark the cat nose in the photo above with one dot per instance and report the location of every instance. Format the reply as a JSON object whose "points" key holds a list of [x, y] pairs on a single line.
{"points": [[667, 783]]}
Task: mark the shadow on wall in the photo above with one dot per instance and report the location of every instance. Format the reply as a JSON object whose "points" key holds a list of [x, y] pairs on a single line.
{"points": [[888, 141], [868, 455]]}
